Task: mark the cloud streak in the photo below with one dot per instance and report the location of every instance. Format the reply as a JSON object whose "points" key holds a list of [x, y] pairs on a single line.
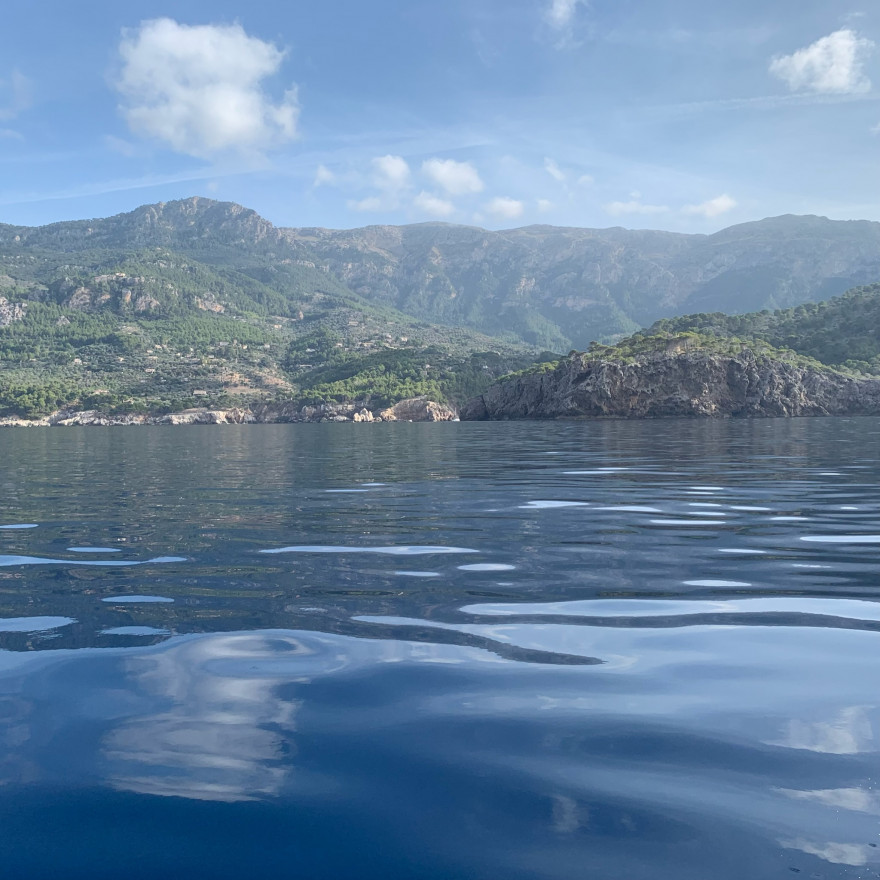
{"points": [[621, 209], [554, 170]]}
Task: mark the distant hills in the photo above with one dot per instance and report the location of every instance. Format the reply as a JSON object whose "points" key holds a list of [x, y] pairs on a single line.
{"points": [[559, 288], [198, 301]]}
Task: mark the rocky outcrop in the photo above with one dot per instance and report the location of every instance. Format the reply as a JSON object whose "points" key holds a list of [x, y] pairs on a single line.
{"points": [[10, 311], [696, 383], [416, 409]]}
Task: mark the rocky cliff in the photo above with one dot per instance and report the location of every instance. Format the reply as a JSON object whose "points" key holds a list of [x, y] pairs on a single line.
{"points": [[684, 383]]}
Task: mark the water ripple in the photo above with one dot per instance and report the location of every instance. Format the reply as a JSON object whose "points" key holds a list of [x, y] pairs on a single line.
{"points": [[413, 550]]}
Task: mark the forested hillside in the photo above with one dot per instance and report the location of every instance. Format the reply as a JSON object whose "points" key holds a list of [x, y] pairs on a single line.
{"points": [[842, 332]]}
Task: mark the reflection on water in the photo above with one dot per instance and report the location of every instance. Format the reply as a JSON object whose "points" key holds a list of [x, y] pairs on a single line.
{"points": [[223, 734], [647, 649]]}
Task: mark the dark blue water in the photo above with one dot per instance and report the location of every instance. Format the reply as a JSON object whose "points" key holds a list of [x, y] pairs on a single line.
{"points": [[606, 650]]}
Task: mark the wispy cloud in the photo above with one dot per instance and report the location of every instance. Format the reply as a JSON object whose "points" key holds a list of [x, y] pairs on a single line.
{"points": [[554, 170], [114, 185], [120, 145], [762, 102], [433, 205], [199, 89], [16, 95], [560, 13], [456, 178], [634, 206], [371, 204], [323, 176], [505, 208], [712, 208], [390, 176], [832, 65]]}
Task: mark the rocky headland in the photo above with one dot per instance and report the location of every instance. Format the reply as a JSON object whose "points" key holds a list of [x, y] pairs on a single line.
{"points": [[679, 383]]}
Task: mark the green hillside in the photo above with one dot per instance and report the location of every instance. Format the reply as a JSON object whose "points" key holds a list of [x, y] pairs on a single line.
{"points": [[842, 332], [157, 330]]}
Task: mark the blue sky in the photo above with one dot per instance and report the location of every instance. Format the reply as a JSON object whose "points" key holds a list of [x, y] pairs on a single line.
{"points": [[687, 115]]}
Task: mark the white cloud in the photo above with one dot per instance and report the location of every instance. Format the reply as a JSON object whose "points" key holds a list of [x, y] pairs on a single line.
{"points": [[390, 173], [618, 209], [831, 65], [199, 88], [371, 204], [16, 94], [586, 180], [545, 205], [505, 208], [713, 208], [554, 170], [456, 178], [433, 205], [323, 176], [560, 13]]}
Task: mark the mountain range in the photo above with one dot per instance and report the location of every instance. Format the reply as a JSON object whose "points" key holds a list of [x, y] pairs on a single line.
{"points": [[203, 295]]}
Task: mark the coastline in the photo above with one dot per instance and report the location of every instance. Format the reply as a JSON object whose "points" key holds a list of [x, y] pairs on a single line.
{"points": [[415, 409]]}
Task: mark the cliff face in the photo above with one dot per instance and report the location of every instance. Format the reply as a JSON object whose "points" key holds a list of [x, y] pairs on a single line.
{"points": [[679, 384]]}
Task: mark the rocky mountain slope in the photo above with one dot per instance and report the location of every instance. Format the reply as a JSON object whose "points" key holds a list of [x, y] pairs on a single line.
{"points": [[549, 286], [558, 287]]}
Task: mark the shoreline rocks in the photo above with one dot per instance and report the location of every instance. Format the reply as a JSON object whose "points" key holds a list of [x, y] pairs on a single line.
{"points": [[415, 409]]}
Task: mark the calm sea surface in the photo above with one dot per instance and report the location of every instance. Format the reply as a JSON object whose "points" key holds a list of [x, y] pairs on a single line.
{"points": [[614, 651]]}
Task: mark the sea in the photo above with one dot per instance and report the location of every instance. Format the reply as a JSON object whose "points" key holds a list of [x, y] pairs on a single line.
{"points": [[490, 651]]}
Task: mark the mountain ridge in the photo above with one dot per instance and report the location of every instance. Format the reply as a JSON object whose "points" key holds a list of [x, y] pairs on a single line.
{"points": [[431, 308], [552, 286]]}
